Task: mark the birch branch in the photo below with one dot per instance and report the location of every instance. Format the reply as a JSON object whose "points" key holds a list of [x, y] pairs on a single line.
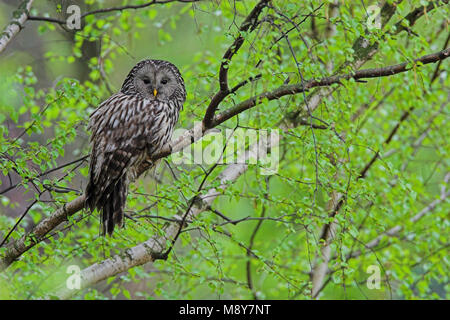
{"points": [[32, 238], [17, 23]]}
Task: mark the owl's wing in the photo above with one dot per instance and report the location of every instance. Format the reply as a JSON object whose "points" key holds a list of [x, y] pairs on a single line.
{"points": [[118, 141], [125, 129]]}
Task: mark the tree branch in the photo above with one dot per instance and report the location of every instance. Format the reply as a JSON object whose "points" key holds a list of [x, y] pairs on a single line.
{"points": [[38, 233], [249, 24], [13, 28], [325, 82], [112, 9], [134, 7]]}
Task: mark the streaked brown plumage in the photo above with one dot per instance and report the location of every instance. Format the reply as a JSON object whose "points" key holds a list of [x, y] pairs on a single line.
{"points": [[126, 128]]}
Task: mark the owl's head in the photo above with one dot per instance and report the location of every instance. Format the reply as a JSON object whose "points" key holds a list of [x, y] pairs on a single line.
{"points": [[155, 80]]}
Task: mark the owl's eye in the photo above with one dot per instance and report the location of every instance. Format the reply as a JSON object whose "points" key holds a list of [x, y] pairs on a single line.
{"points": [[146, 80], [164, 81]]}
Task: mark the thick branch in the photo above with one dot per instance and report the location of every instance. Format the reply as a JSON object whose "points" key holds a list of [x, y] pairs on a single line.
{"points": [[414, 15], [16, 24], [39, 232], [325, 82]]}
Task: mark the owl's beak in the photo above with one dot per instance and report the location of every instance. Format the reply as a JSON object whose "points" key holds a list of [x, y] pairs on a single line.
{"points": [[155, 92]]}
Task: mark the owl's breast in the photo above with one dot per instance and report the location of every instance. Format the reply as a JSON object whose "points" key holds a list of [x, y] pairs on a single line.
{"points": [[160, 125]]}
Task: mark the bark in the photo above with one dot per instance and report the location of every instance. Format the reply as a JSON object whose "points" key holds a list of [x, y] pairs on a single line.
{"points": [[16, 24]]}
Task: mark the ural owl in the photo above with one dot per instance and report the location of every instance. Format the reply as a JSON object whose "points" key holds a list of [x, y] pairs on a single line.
{"points": [[130, 126]]}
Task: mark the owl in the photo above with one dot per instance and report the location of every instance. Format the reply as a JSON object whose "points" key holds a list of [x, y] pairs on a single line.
{"points": [[127, 129]]}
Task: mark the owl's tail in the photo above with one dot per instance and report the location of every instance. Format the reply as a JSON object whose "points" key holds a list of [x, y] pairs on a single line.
{"points": [[110, 201]]}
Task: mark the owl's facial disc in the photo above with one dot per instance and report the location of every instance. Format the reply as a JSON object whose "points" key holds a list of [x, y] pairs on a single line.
{"points": [[155, 84], [165, 84]]}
